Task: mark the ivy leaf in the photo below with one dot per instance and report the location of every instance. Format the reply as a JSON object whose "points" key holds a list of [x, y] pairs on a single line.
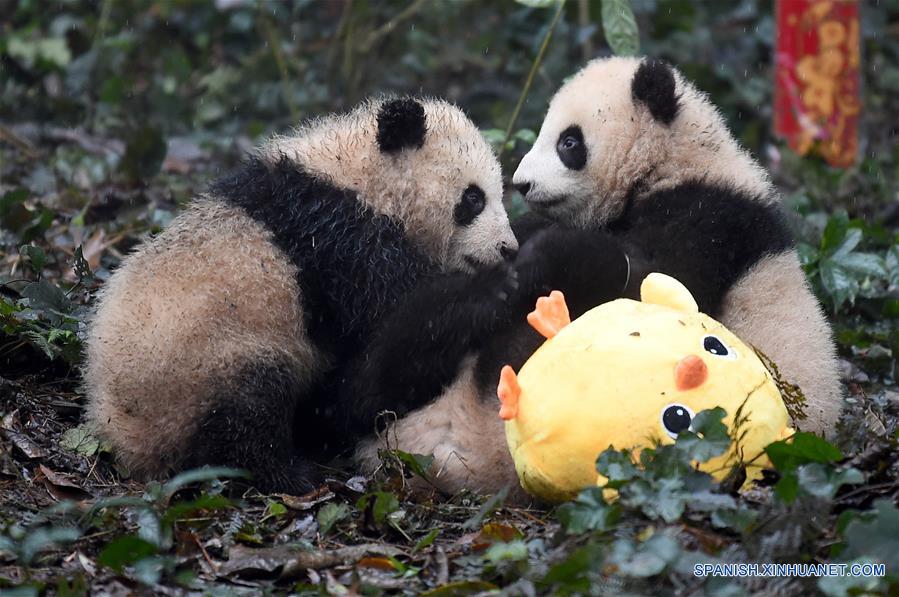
{"points": [[620, 27], [587, 512], [616, 466], [648, 559], [802, 448], [79, 439], [330, 514], [823, 481], [708, 437], [876, 535]]}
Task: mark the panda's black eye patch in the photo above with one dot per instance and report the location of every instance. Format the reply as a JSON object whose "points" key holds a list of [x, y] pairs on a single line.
{"points": [[571, 149], [676, 418], [470, 205]]}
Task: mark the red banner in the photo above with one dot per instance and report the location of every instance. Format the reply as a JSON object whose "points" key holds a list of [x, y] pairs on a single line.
{"points": [[817, 94]]}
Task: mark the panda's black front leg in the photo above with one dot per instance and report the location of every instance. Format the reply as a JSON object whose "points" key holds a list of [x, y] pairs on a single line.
{"points": [[418, 349], [590, 267]]}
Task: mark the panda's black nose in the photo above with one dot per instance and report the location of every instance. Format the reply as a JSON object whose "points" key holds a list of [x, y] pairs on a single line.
{"points": [[508, 252], [523, 187]]}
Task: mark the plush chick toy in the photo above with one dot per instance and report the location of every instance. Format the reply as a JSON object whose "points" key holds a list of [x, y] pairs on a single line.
{"points": [[628, 374]]}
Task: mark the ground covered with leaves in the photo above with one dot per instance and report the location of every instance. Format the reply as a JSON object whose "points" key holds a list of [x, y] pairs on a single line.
{"points": [[102, 142]]}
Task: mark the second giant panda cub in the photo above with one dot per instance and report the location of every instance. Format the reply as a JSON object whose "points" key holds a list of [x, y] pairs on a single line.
{"points": [[217, 337], [634, 171]]}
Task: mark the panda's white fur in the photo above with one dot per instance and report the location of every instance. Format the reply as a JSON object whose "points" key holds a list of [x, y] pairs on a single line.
{"points": [[626, 144], [209, 318], [632, 155]]}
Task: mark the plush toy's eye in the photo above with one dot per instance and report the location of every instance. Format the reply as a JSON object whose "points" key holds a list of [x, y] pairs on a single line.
{"points": [[571, 149], [470, 205], [676, 418], [717, 347]]}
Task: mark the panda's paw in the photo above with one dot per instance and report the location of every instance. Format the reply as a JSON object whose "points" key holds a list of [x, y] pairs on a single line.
{"points": [[506, 289]]}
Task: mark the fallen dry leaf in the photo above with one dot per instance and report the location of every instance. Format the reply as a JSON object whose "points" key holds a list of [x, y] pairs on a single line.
{"points": [[62, 488], [307, 501]]}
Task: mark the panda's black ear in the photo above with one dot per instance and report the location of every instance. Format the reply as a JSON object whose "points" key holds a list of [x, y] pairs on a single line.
{"points": [[653, 85], [401, 125]]}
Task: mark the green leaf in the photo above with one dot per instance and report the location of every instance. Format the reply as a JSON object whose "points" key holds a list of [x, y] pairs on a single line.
{"points": [[802, 448], [739, 519], [876, 535], [206, 473], [42, 295], [274, 509], [573, 574], [37, 540], [664, 498], [616, 466], [382, 504], [648, 559], [418, 464], [866, 264], [79, 439], [822, 481], [202, 503], [426, 541], [620, 27], [808, 255], [708, 436], [850, 240], [125, 551], [587, 512], [34, 257], [834, 232], [514, 551], [837, 282], [330, 514]]}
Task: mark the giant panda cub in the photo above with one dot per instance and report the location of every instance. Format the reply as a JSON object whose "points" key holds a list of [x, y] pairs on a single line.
{"points": [[634, 171], [217, 337]]}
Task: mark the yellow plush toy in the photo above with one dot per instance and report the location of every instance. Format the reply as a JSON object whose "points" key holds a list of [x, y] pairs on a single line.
{"points": [[628, 374]]}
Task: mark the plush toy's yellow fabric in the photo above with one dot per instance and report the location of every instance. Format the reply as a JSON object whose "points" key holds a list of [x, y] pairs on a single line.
{"points": [[607, 379]]}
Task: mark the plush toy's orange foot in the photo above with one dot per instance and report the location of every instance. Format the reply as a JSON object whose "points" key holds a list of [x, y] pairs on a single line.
{"points": [[551, 314], [508, 392]]}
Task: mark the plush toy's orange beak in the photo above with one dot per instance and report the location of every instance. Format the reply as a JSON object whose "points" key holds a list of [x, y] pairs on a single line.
{"points": [[550, 315], [691, 372], [508, 392]]}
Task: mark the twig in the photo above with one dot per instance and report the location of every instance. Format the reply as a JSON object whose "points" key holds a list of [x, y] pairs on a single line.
{"points": [[18, 142], [213, 565], [527, 85], [390, 25]]}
